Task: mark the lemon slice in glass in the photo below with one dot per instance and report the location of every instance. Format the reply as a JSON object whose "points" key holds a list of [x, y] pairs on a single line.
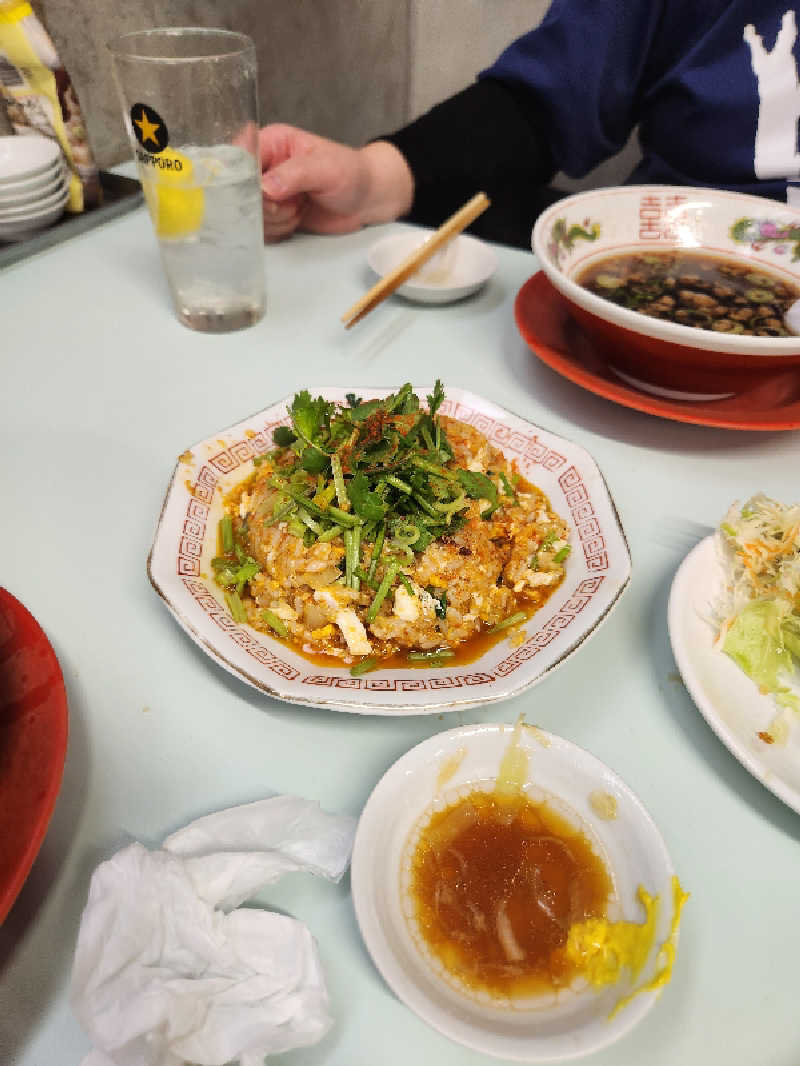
{"points": [[176, 205]]}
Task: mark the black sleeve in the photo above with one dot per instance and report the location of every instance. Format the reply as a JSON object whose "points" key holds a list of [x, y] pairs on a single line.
{"points": [[486, 138]]}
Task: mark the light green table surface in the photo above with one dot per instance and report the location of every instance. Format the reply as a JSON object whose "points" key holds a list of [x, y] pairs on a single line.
{"points": [[102, 388]]}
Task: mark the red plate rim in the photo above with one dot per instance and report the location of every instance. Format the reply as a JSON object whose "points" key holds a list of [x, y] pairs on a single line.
{"points": [[27, 659], [543, 318]]}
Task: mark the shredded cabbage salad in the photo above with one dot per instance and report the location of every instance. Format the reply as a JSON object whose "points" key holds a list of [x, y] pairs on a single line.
{"points": [[760, 610]]}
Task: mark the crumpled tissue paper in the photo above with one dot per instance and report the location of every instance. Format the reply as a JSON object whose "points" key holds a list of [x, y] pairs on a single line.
{"points": [[168, 971]]}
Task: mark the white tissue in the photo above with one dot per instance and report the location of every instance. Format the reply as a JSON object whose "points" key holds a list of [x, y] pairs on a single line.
{"points": [[163, 975]]}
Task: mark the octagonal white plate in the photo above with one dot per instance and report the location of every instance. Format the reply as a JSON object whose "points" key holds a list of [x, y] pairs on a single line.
{"points": [[430, 777], [180, 570], [726, 697]]}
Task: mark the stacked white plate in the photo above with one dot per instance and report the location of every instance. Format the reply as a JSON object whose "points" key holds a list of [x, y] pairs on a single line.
{"points": [[34, 185]]}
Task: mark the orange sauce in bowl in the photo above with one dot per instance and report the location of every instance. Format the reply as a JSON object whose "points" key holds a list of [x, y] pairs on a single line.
{"points": [[497, 880]]}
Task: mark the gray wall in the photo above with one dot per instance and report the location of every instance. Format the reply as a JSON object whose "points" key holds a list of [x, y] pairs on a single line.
{"points": [[348, 69], [451, 40], [340, 67]]}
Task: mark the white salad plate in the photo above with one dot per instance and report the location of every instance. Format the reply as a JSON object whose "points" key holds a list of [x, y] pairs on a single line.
{"points": [[598, 570], [458, 270], [726, 697], [444, 768], [24, 156]]}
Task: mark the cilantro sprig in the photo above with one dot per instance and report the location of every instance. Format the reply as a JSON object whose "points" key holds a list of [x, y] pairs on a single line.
{"points": [[379, 474], [388, 465]]}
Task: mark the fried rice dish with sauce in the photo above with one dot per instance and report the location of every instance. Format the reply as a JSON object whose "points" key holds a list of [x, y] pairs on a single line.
{"points": [[383, 528]]}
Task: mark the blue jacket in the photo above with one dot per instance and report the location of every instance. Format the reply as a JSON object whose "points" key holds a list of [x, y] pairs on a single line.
{"points": [[717, 103], [711, 84]]}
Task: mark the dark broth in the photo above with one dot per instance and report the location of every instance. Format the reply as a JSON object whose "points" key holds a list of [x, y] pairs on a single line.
{"points": [[693, 289]]}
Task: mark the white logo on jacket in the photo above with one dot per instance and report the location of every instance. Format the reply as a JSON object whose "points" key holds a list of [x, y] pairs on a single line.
{"points": [[776, 154]]}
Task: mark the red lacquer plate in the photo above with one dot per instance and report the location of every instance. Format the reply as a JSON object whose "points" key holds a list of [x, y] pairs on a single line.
{"points": [[33, 742], [557, 339]]}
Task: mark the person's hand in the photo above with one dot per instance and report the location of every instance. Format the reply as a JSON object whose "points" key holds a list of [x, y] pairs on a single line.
{"points": [[315, 184]]}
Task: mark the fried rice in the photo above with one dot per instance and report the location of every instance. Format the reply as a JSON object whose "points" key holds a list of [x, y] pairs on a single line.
{"points": [[487, 570]]}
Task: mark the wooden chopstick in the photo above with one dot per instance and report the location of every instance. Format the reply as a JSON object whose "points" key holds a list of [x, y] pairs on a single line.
{"points": [[393, 280]]}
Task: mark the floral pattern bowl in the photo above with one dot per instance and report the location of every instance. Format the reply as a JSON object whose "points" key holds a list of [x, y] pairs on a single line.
{"points": [[662, 357]]}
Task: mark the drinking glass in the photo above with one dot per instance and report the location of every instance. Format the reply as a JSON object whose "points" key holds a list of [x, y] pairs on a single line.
{"points": [[190, 106]]}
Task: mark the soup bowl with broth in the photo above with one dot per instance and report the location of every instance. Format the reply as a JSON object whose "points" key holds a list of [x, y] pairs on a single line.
{"points": [[689, 293]]}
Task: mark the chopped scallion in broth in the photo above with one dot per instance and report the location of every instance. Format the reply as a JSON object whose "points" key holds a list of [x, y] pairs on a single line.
{"points": [[725, 295]]}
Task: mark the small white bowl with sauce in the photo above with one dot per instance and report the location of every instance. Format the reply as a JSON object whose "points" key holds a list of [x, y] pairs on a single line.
{"points": [[462, 267], [566, 1022]]}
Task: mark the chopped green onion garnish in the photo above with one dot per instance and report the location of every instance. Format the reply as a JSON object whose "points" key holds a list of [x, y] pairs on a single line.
{"points": [[296, 527], [408, 555], [235, 605], [363, 667], [453, 506], [405, 533], [352, 547], [275, 623], [342, 518], [561, 555], [507, 488], [226, 533], [512, 620], [376, 551], [281, 513], [363, 575], [428, 508], [304, 501], [338, 481], [398, 484], [330, 534], [441, 601], [408, 586], [307, 520], [426, 656], [383, 588], [437, 471]]}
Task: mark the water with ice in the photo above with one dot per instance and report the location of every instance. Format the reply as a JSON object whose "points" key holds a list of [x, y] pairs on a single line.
{"points": [[216, 273]]}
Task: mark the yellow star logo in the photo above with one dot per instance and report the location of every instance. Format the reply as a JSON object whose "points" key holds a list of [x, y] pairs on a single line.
{"points": [[148, 128]]}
